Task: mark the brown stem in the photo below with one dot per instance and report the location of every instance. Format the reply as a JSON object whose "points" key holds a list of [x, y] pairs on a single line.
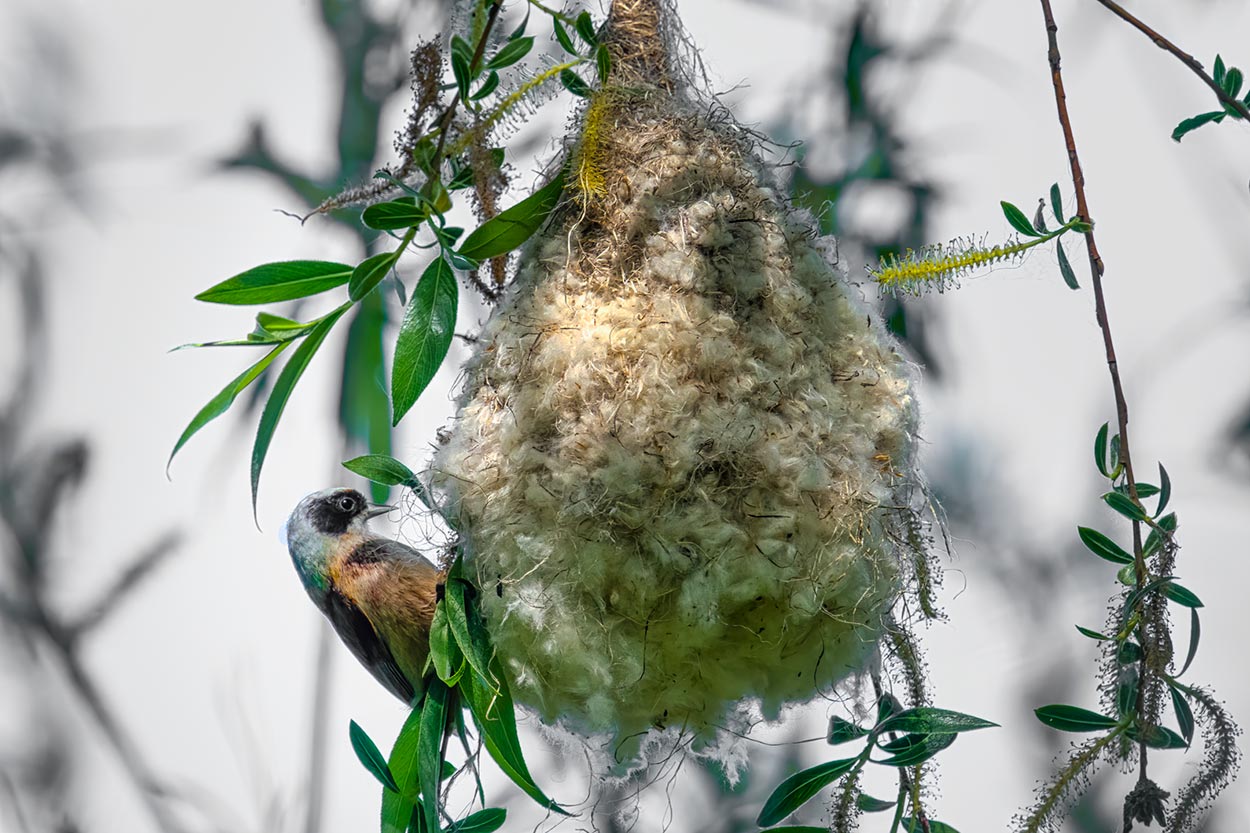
{"points": [[1100, 308], [1182, 56], [480, 50]]}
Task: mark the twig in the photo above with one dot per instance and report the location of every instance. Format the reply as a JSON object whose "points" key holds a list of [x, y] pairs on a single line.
{"points": [[1100, 307], [1184, 57], [478, 52]]}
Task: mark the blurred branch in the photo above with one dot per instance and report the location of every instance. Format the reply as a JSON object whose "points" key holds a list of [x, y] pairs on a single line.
{"points": [[125, 583]]}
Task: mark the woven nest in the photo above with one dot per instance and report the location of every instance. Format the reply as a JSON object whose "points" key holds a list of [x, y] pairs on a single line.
{"points": [[683, 439]]}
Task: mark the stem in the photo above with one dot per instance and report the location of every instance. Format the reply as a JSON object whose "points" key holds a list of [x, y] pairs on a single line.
{"points": [[1182, 56], [445, 126], [563, 18], [1100, 307]]}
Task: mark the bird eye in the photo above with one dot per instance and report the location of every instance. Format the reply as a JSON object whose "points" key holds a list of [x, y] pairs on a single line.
{"points": [[346, 503]]}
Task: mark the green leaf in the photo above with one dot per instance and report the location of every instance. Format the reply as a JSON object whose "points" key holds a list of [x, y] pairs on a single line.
{"points": [[1100, 450], [488, 87], [1165, 490], [1219, 70], [1144, 490], [1092, 634], [1018, 220], [397, 807], [1232, 82], [1125, 506], [472, 640], [910, 750], [798, 828], [1154, 540], [1114, 454], [367, 751], [1184, 715], [397, 214], [574, 83], [369, 274], [841, 731], [1102, 546], [586, 29], [868, 804], [221, 403], [483, 821], [275, 282], [462, 48], [800, 788], [382, 468], [430, 748], [1195, 633], [1181, 595], [932, 721], [1065, 268], [424, 335], [1074, 719], [1128, 653], [281, 392], [1056, 203], [511, 52], [1126, 691], [441, 645], [279, 328], [887, 706], [495, 715], [603, 64], [460, 69], [1195, 122], [513, 226], [562, 35], [935, 826], [1158, 737]]}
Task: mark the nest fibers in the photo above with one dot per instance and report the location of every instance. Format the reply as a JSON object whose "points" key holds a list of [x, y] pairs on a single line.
{"points": [[684, 443]]}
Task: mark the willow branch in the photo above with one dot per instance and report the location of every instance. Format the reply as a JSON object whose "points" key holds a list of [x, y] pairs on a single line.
{"points": [[1184, 57]]}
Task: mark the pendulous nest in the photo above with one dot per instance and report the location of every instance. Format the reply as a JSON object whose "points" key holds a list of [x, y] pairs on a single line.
{"points": [[684, 440]]}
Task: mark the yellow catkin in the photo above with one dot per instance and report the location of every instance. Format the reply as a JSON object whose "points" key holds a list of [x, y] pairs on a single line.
{"points": [[588, 157], [506, 106], [939, 266]]}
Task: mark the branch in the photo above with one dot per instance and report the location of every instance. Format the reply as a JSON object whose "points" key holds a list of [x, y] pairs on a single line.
{"points": [[1100, 307], [121, 587], [1182, 56]]}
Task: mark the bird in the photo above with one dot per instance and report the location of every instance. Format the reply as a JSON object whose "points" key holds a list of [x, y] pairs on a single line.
{"points": [[379, 594]]}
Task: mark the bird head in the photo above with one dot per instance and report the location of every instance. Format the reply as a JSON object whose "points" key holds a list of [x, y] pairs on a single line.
{"points": [[321, 526]]}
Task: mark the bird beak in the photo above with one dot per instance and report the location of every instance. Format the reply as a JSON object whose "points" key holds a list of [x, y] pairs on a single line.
{"points": [[377, 509]]}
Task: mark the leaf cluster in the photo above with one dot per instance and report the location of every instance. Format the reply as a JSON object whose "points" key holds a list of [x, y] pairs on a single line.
{"points": [[463, 678], [1231, 81], [905, 739]]}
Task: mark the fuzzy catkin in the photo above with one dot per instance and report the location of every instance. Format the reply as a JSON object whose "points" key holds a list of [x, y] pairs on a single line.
{"points": [[680, 443]]}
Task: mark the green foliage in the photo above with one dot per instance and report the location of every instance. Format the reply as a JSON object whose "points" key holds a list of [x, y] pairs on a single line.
{"points": [[930, 730], [1230, 81], [370, 757], [424, 335]]}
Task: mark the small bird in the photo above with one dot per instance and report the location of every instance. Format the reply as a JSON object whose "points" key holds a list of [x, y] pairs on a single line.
{"points": [[379, 594]]}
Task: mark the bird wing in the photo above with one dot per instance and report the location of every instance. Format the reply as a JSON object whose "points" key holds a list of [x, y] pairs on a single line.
{"points": [[359, 635]]}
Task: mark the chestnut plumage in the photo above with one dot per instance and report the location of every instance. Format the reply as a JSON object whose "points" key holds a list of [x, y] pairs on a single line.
{"points": [[379, 594]]}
